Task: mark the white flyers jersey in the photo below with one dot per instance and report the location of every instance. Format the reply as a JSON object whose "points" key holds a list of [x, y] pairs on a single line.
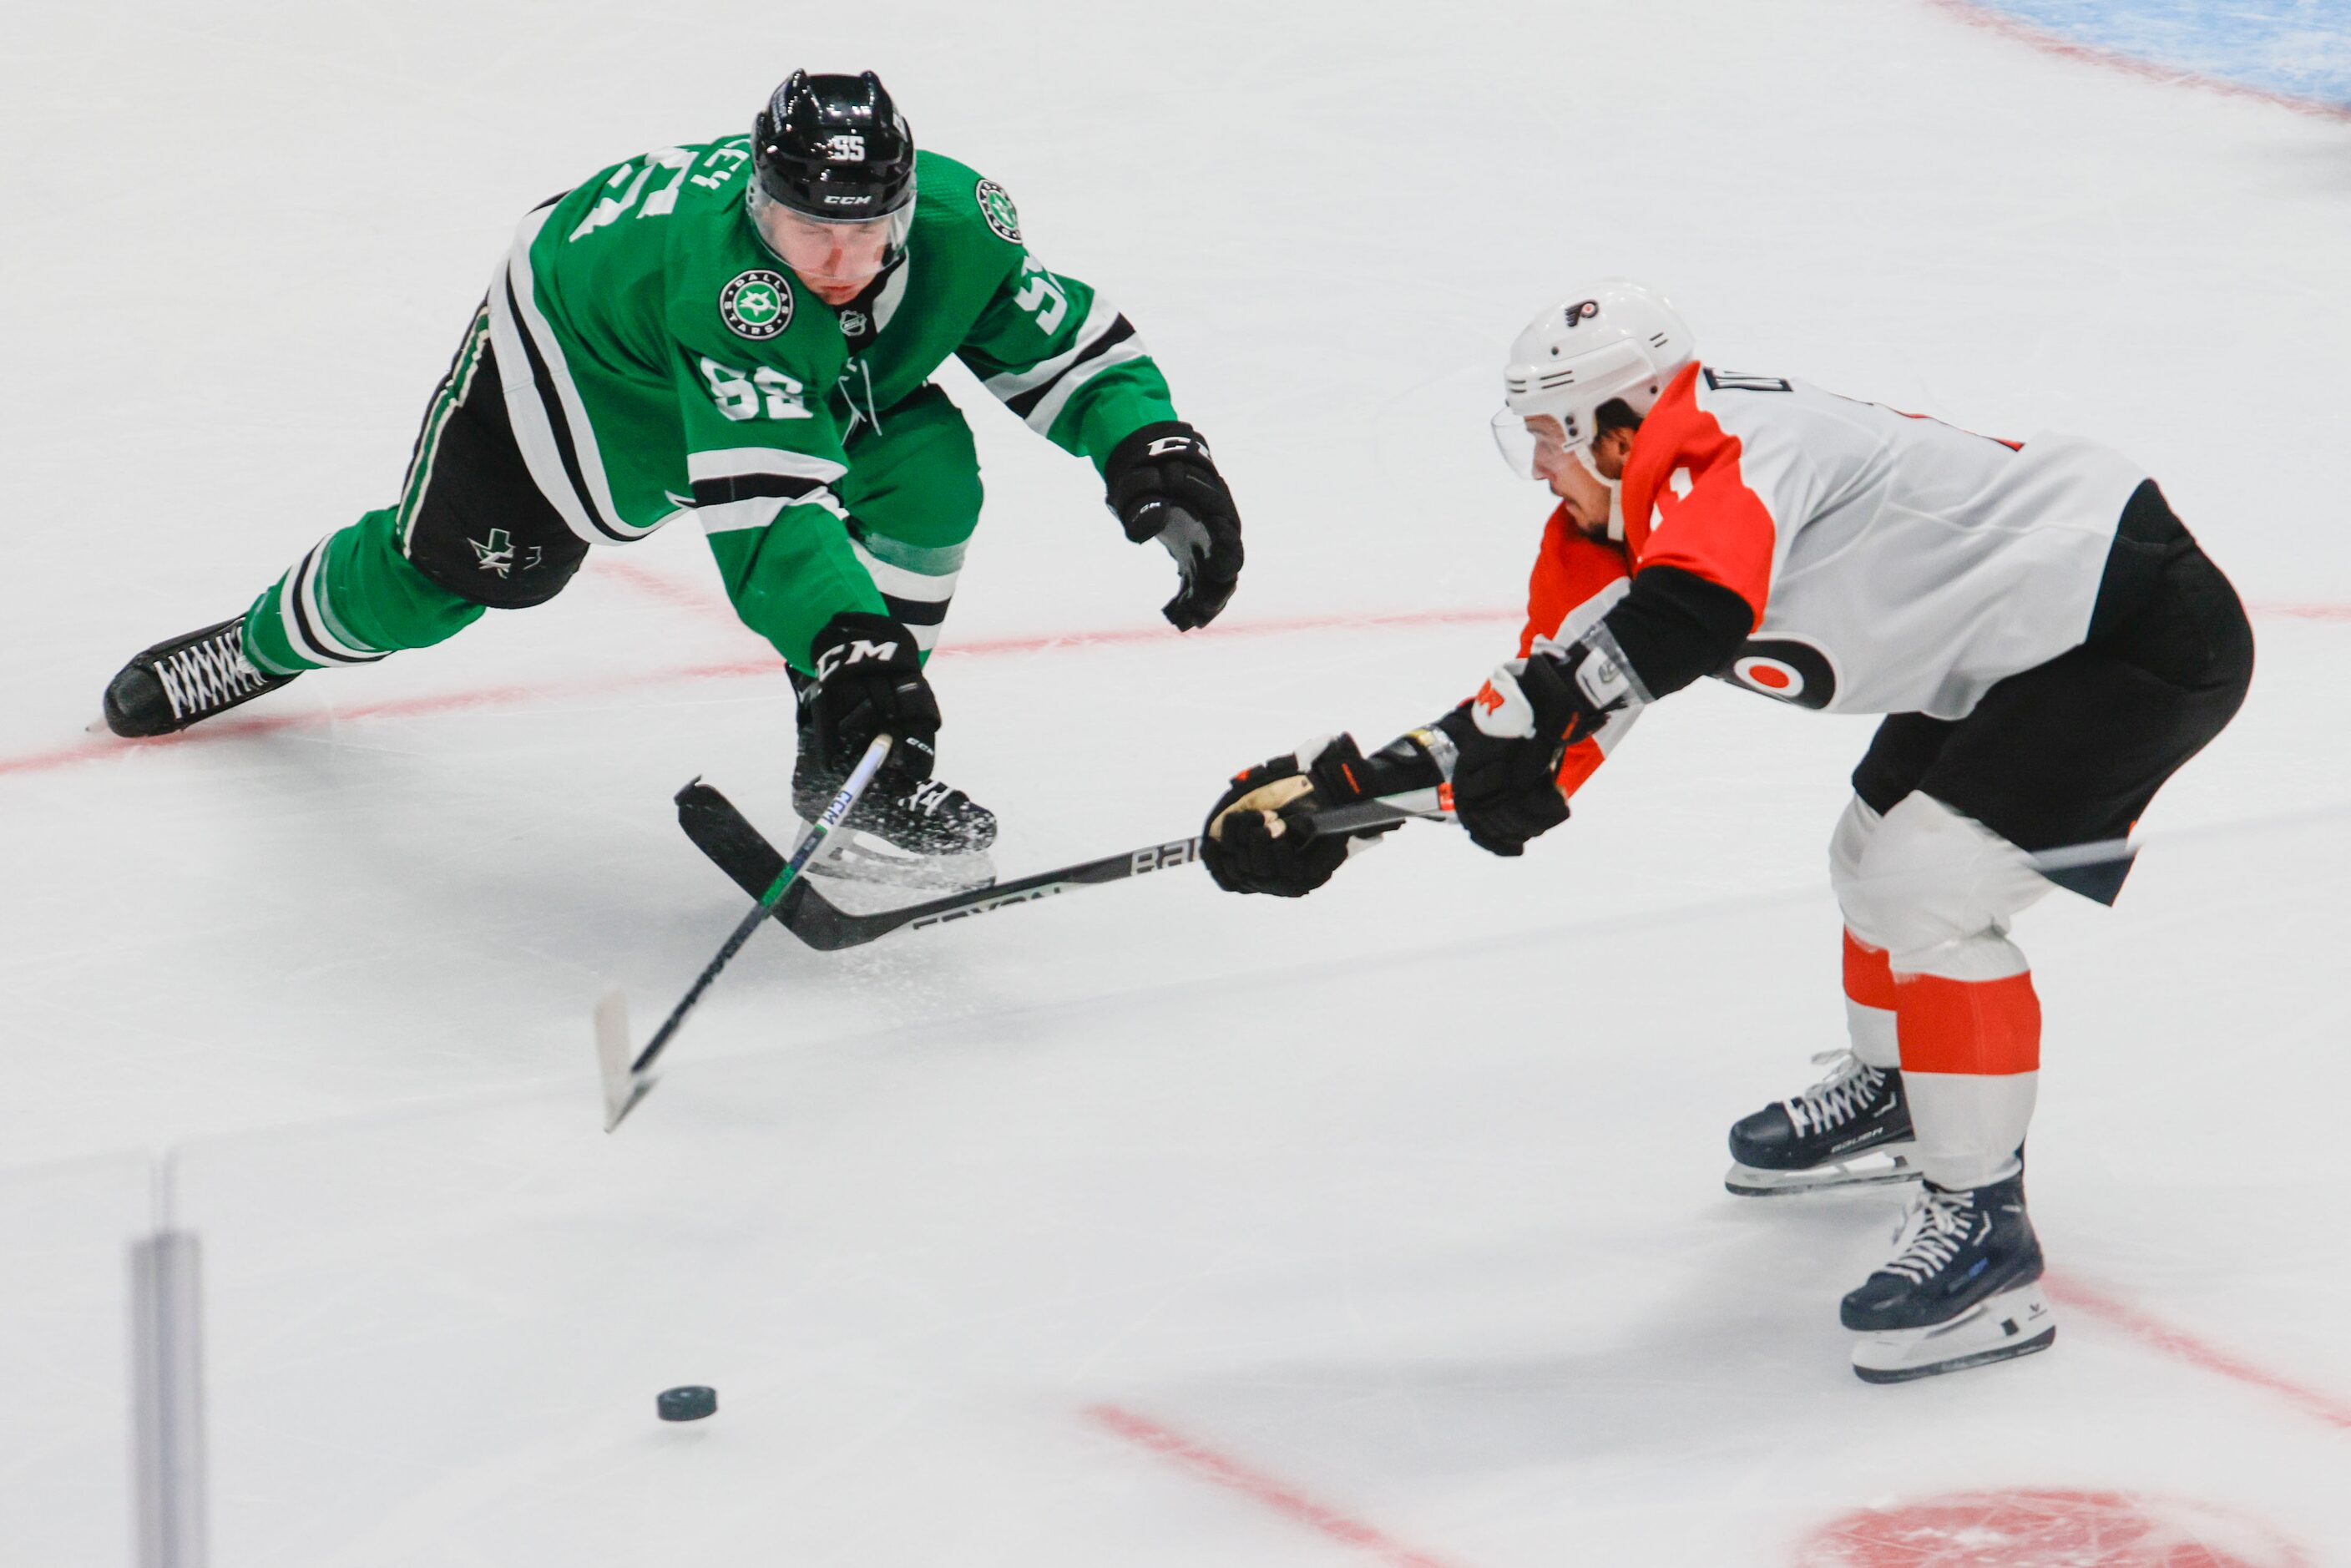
{"points": [[1895, 564]]}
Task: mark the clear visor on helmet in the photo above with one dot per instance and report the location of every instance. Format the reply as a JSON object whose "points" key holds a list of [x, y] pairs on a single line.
{"points": [[825, 251], [1534, 444]]}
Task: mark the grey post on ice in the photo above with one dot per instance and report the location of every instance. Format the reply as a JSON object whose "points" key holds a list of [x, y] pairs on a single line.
{"points": [[168, 1395]]}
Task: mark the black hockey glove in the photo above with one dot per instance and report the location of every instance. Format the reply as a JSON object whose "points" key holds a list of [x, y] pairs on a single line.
{"points": [[1511, 739], [869, 680], [1257, 837], [1163, 485], [1504, 791]]}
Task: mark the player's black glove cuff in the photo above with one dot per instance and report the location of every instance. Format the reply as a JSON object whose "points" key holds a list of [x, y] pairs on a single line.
{"points": [[1246, 853], [1162, 484], [1505, 790], [869, 680]]}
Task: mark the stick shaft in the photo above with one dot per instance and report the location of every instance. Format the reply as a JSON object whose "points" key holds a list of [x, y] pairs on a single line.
{"points": [[743, 853], [843, 804], [1373, 813], [1377, 812]]}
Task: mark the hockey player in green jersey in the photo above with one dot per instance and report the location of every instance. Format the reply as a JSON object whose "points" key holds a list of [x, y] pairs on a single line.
{"points": [[743, 331]]}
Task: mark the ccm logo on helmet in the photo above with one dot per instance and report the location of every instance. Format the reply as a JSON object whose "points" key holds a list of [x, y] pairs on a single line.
{"points": [[1582, 310], [1788, 671], [855, 652]]}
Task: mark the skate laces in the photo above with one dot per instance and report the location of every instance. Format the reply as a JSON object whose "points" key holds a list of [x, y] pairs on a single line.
{"points": [[1937, 1227], [208, 675], [1850, 1088]]}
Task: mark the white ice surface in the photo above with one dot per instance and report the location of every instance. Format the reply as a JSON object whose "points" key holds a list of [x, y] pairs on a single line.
{"points": [[1405, 1197]]}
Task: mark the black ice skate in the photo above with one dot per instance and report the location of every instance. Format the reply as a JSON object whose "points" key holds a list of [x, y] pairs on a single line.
{"points": [[186, 681], [1850, 1129], [1962, 1288], [928, 834]]}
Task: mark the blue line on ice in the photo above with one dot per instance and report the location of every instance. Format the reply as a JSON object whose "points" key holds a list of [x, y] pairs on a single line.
{"points": [[2298, 48]]}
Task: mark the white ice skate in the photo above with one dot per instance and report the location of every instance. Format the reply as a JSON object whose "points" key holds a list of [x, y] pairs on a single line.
{"points": [[1962, 1289]]}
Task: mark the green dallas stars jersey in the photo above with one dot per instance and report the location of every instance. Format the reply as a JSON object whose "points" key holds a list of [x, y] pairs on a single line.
{"points": [[658, 357]]}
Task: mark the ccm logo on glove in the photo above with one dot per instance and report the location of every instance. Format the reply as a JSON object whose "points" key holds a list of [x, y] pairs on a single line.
{"points": [[1161, 483], [853, 653]]}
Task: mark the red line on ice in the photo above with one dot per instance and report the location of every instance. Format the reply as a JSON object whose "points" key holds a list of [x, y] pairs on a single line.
{"points": [[603, 685], [730, 669], [1231, 1473], [2157, 1334], [1994, 21], [397, 708], [652, 585], [2306, 611]]}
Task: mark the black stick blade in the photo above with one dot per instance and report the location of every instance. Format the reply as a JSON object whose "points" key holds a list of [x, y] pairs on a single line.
{"points": [[724, 835]]}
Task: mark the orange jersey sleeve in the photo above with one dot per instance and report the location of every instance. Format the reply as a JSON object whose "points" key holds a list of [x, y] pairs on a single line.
{"points": [[1570, 574], [1574, 581], [1689, 500]]}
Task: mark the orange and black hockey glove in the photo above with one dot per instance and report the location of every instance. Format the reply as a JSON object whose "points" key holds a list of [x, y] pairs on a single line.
{"points": [[1510, 739], [1259, 836]]}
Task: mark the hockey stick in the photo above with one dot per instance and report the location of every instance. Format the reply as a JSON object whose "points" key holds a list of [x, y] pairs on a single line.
{"points": [[627, 1082], [743, 853]]}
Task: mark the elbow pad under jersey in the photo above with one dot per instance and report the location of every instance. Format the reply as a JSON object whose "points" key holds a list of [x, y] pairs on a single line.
{"points": [[1673, 626]]}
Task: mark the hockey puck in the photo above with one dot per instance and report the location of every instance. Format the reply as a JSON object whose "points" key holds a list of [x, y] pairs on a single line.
{"points": [[690, 1402]]}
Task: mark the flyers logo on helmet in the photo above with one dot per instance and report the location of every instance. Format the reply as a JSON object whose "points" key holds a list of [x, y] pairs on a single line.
{"points": [[1582, 310]]}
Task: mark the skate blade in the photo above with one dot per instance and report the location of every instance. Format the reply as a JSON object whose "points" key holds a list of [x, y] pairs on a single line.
{"points": [[1887, 1162], [859, 857], [2017, 1321]]}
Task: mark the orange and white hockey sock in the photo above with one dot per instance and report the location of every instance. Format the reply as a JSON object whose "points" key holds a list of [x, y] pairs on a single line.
{"points": [[1971, 1041], [1869, 1012], [1933, 892]]}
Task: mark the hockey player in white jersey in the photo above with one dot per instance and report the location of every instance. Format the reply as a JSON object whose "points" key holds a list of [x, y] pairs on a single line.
{"points": [[2047, 642]]}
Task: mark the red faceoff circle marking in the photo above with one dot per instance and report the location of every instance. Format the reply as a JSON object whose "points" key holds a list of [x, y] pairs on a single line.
{"points": [[2048, 1530]]}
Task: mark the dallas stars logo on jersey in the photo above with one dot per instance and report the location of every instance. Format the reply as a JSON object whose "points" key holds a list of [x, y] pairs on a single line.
{"points": [[755, 303], [995, 206], [496, 553]]}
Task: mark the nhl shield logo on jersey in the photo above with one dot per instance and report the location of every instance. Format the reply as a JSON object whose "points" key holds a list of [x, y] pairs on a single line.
{"points": [[995, 206], [1785, 670], [756, 304]]}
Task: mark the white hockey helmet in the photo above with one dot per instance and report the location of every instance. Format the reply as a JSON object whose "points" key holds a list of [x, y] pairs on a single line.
{"points": [[1611, 338]]}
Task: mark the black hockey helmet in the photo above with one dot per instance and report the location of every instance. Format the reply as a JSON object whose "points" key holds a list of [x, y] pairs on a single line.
{"points": [[834, 148]]}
